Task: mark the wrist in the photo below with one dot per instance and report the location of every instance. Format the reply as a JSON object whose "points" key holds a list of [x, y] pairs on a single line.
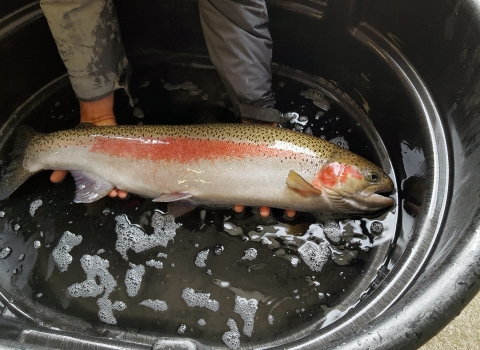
{"points": [[98, 112]]}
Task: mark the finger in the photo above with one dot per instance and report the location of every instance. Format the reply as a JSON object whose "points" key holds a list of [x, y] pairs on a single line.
{"points": [[264, 211], [58, 175], [290, 213], [122, 194], [113, 193], [238, 208]]}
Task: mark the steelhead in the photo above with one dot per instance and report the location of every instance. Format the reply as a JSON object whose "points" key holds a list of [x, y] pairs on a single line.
{"points": [[214, 164]]}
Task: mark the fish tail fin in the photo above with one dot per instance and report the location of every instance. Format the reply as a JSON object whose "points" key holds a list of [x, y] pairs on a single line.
{"points": [[15, 174]]}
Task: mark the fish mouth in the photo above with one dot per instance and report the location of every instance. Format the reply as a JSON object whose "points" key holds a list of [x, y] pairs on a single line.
{"points": [[374, 198], [367, 201]]}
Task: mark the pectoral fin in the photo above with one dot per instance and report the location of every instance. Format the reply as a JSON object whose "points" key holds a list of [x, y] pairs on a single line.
{"points": [[301, 186], [172, 197], [90, 187]]}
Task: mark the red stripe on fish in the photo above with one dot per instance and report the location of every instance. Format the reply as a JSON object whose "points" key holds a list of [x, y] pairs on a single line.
{"points": [[184, 150]]}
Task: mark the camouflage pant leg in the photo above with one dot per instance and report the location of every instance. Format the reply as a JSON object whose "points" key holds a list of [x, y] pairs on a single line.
{"points": [[240, 47], [88, 39]]}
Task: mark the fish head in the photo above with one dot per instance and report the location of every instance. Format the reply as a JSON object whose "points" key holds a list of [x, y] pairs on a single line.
{"points": [[354, 185]]}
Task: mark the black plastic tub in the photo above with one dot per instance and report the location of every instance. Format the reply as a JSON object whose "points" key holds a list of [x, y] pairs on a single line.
{"points": [[399, 84]]}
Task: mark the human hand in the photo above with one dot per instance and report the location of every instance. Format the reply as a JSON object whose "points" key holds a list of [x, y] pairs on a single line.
{"points": [[99, 113], [264, 211]]}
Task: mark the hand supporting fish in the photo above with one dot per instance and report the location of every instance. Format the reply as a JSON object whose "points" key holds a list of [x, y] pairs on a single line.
{"points": [[100, 113], [219, 164]]}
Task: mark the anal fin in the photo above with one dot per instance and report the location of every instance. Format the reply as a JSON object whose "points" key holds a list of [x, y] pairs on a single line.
{"points": [[180, 208]]}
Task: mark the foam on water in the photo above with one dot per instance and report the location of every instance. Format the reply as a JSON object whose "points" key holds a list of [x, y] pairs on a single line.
{"points": [[332, 230], [133, 279], [314, 255], [157, 305], [232, 338], [246, 309], [34, 206], [5, 252], [201, 322], [201, 258], [131, 236], [317, 97], [154, 263], [94, 266], [376, 227], [249, 254], [106, 308], [37, 244], [340, 142], [2, 214], [199, 299], [138, 113], [61, 252], [182, 329]]}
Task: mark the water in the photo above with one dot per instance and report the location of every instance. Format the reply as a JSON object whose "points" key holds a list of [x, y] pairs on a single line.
{"points": [[213, 275]]}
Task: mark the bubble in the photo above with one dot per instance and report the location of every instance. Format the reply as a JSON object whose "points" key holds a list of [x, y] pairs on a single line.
{"points": [[157, 305], [271, 319], [303, 119], [34, 206], [133, 279], [249, 254], [332, 230], [182, 329], [138, 113], [5, 252], [232, 337], [37, 244], [61, 252], [2, 214], [246, 309], [100, 251], [199, 299], [162, 255], [16, 228], [376, 227], [314, 255], [340, 142], [201, 257], [218, 249], [154, 263], [201, 322], [21, 257]]}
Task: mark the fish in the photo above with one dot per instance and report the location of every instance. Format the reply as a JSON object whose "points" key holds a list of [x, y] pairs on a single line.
{"points": [[210, 164]]}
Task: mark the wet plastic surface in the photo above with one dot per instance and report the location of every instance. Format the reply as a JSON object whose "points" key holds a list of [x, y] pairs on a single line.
{"points": [[387, 58]]}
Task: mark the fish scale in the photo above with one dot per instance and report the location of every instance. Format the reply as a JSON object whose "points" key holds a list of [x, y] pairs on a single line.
{"points": [[188, 165]]}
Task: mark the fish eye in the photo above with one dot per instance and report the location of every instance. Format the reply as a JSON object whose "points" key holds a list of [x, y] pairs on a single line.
{"points": [[372, 176]]}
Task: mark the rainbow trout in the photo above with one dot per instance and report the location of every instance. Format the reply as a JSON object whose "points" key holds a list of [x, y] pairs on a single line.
{"points": [[214, 164]]}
